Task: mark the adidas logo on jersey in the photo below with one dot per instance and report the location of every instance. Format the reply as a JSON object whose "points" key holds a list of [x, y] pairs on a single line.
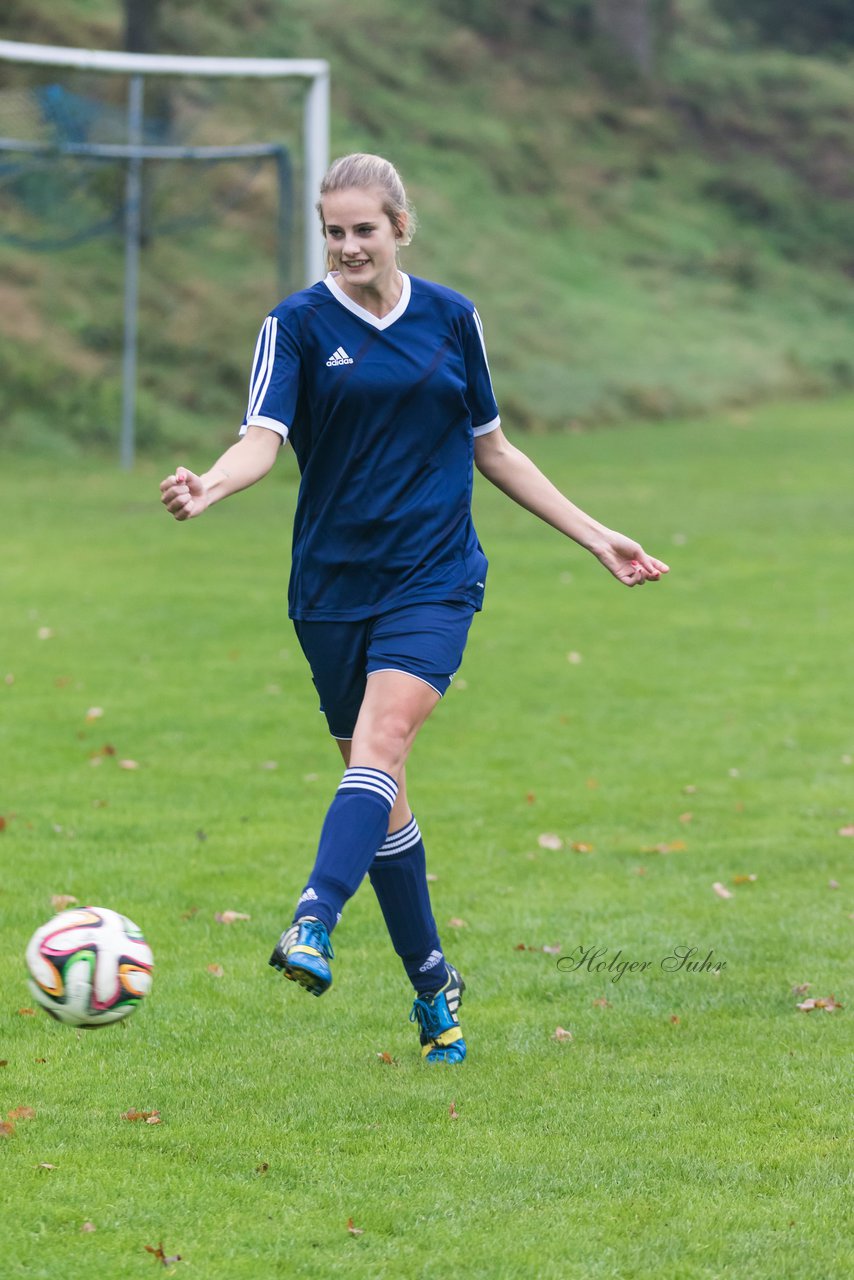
{"points": [[338, 357]]}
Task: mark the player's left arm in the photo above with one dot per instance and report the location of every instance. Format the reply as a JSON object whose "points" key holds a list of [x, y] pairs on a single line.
{"points": [[513, 472]]}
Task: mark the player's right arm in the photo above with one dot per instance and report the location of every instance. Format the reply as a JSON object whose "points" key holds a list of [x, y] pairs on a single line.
{"points": [[186, 494]]}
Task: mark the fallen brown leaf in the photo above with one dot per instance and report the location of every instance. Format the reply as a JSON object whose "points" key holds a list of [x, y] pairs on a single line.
{"points": [[27, 1013], [672, 846], [21, 1113], [150, 1117], [749, 879], [801, 989], [262, 1168], [161, 1256], [6, 1129], [216, 971], [452, 1111], [387, 1058], [354, 1231], [60, 901], [579, 847], [601, 1003], [828, 1003], [560, 1034], [674, 1017]]}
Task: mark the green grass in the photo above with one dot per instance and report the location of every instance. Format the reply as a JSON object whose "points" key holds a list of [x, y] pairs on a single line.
{"points": [[644, 1149]]}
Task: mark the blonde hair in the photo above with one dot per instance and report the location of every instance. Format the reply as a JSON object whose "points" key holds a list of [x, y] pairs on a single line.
{"points": [[365, 171]]}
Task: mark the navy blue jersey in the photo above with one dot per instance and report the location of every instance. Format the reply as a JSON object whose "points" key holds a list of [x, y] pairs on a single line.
{"points": [[381, 414]]}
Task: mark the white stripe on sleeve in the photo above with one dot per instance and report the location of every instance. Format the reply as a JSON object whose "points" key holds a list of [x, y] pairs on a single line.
{"points": [[262, 371]]}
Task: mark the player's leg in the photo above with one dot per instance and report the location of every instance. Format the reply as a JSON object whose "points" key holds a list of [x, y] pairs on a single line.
{"points": [[428, 641], [356, 824], [399, 878], [398, 875]]}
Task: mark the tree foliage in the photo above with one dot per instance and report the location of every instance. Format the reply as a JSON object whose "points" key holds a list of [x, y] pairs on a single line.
{"points": [[805, 26]]}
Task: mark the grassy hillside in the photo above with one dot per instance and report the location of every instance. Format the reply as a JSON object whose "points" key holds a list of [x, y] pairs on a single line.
{"points": [[635, 249]]}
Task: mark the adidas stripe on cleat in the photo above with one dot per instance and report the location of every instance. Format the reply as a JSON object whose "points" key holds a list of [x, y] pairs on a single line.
{"points": [[436, 1015], [302, 955]]}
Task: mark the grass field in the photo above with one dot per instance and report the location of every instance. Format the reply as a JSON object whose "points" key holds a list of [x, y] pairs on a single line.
{"points": [[691, 733]]}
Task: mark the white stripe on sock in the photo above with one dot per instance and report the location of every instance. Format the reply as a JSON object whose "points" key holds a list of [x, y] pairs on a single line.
{"points": [[374, 780], [399, 841]]}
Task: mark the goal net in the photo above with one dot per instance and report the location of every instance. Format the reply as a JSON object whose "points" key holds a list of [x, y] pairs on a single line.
{"points": [[162, 172]]}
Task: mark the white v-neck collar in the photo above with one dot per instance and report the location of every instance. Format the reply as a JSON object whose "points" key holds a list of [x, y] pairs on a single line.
{"points": [[378, 322]]}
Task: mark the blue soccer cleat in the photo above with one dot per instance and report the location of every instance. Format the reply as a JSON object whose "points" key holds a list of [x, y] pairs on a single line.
{"points": [[436, 1015], [303, 953]]}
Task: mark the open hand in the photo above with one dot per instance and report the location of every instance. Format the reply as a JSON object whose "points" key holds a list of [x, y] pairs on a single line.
{"points": [[628, 561]]}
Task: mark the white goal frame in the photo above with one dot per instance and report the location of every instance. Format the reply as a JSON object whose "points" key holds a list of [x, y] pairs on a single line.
{"points": [[315, 71]]}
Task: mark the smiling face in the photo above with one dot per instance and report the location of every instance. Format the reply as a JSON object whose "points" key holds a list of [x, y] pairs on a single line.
{"points": [[361, 239]]}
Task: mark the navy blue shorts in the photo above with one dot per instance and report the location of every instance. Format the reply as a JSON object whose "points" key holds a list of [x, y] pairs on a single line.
{"points": [[424, 640]]}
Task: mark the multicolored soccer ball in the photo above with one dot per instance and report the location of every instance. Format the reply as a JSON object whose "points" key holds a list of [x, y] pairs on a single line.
{"points": [[89, 966]]}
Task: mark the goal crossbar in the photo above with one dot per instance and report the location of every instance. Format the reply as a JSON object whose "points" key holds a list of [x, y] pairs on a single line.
{"points": [[163, 64]]}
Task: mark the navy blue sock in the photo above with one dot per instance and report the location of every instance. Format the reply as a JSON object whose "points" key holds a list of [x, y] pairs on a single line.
{"points": [[399, 877], [354, 828]]}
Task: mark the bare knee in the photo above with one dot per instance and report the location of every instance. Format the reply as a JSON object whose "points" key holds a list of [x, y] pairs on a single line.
{"points": [[383, 740]]}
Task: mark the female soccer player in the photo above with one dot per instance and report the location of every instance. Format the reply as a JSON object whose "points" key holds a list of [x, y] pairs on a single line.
{"points": [[380, 383]]}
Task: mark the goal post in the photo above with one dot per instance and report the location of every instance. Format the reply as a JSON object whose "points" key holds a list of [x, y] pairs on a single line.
{"points": [[137, 67], [316, 120]]}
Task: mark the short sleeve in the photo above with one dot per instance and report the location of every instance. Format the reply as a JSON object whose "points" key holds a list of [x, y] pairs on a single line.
{"points": [[274, 384], [480, 396]]}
